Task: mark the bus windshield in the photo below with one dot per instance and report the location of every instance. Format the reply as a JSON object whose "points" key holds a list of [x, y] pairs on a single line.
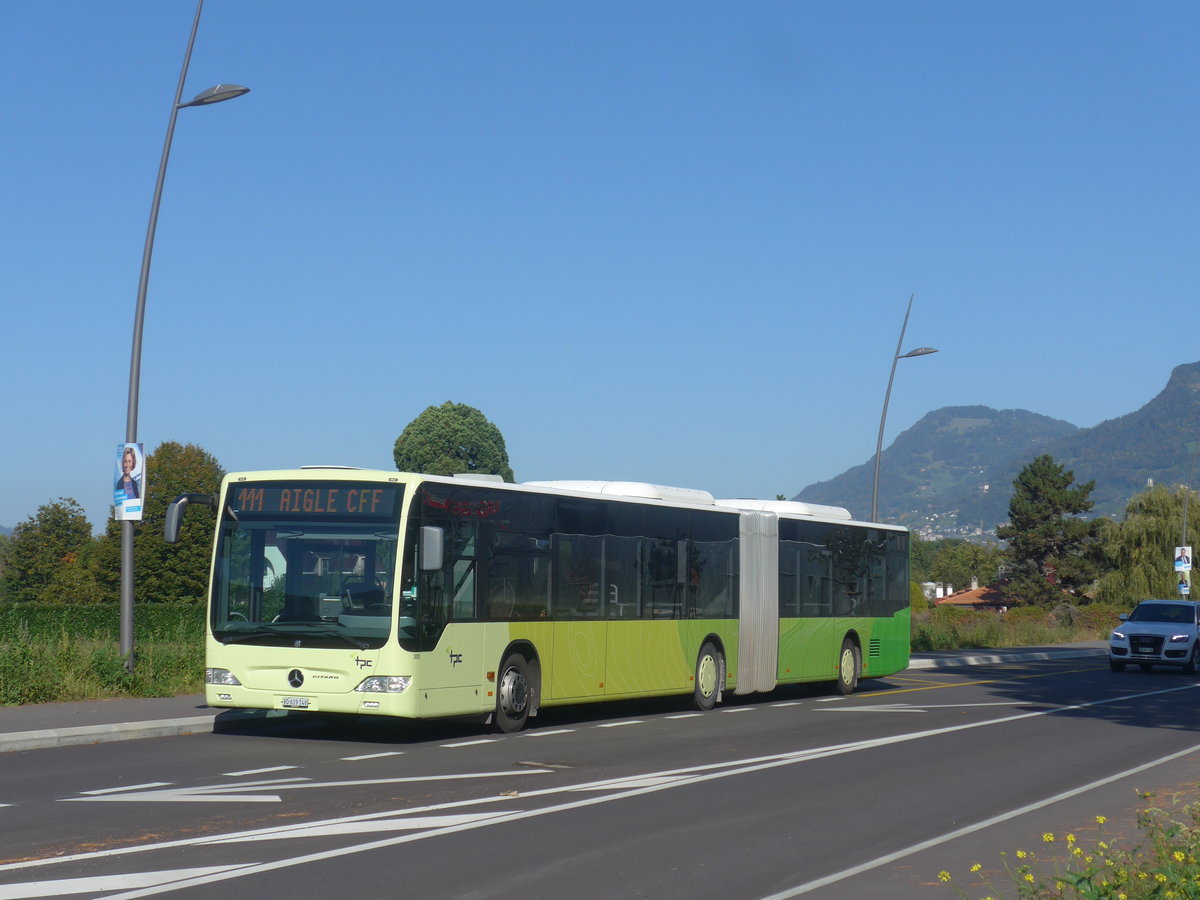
{"points": [[305, 577]]}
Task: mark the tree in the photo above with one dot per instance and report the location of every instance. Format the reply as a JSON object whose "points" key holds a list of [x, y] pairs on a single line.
{"points": [[961, 561], [167, 572], [57, 537], [1139, 550], [449, 439], [1050, 550]]}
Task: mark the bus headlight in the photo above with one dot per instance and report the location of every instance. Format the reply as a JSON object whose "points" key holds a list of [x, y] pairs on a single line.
{"points": [[384, 684], [220, 676]]}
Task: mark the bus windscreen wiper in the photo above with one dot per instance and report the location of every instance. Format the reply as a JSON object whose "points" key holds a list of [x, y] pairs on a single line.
{"points": [[286, 630]]}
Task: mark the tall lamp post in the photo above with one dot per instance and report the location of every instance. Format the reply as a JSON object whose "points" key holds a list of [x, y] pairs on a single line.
{"points": [[205, 98], [1187, 491], [920, 351]]}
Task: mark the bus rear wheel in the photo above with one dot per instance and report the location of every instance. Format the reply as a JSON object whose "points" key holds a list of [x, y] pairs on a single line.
{"points": [[710, 672], [514, 693], [849, 667]]}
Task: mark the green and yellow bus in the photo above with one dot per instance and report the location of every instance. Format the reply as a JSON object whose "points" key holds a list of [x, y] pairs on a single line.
{"points": [[416, 596]]}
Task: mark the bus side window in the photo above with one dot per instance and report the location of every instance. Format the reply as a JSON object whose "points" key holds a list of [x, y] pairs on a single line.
{"points": [[622, 579]]}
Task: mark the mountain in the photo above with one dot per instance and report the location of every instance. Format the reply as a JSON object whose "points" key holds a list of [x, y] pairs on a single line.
{"points": [[951, 473], [1125, 454], [948, 471]]}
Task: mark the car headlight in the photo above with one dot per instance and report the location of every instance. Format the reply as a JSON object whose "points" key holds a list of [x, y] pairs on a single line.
{"points": [[1118, 636], [384, 684], [1180, 638], [220, 676]]}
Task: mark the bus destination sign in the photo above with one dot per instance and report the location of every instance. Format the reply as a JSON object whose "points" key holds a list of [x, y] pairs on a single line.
{"points": [[340, 499]]}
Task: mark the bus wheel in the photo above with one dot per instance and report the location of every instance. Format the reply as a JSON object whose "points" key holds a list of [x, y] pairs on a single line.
{"points": [[514, 692], [848, 667], [710, 669]]}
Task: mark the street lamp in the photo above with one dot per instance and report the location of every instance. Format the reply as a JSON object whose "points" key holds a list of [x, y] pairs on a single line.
{"points": [[1187, 488], [920, 351], [214, 94]]}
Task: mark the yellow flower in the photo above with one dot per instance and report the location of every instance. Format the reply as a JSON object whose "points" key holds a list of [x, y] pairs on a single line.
{"points": [[1100, 820], [976, 867], [1160, 878], [1070, 838], [943, 875], [1021, 854], [1029, 877], [1179, 855], [1048, 837]]}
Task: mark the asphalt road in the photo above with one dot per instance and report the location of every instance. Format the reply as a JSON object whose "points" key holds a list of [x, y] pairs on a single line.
{"points": [[799, 793]]}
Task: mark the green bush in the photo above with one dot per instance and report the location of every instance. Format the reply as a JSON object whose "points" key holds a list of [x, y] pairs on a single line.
{"points": [[165, 622], [55, 652]]}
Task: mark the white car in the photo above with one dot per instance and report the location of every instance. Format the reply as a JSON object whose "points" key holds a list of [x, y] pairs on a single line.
{"points": [[1157, 633]]}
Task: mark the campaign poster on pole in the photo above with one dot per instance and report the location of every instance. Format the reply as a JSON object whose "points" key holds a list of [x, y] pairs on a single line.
{"points": [[1185, 583], [129, 489], [1183, 559]]}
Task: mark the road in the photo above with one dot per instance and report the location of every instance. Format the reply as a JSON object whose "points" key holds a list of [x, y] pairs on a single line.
{"points": [[799, 793]]}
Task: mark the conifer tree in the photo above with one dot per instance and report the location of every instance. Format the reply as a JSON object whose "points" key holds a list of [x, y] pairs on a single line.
{"points": [[1051, 550]]}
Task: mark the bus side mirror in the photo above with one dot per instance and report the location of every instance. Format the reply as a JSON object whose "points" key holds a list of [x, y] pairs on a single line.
{"points": [[176, 510], [432, 539]]}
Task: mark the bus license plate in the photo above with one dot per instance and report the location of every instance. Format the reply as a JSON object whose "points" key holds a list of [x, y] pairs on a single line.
{"points": [[294, 703]]}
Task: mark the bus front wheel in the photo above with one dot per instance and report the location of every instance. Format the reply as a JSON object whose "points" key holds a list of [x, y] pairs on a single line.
{"points": [[849, 667], [514, 693], [710, 671]]}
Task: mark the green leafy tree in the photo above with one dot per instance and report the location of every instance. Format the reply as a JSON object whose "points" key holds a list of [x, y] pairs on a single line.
{"points": [[1139, 550], [57, 537], [961, 561], [451, 439], [167, 572], [1050, 550], [921, 554]]}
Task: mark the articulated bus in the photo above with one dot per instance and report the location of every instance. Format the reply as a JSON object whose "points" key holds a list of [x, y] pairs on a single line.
{"points": [[340, 590]]}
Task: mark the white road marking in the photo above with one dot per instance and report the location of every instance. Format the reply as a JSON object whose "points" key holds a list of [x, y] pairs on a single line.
{"points": [[128, 787], [67, 886], [372, 756], [620, 724], [258, 771], [233, 793], [548, 733], [614, 789], [685, 716], [472, 743], [971, 829], [327, 829]]}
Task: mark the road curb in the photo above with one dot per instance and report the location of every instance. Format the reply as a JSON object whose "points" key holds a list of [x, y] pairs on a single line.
{"points": [[48, 738], [987, 659]]}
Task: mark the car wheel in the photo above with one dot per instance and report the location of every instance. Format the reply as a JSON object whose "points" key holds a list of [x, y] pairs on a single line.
{"points": [[1189, 667]]}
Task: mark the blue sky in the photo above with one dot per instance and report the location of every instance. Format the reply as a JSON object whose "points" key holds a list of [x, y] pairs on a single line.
{"points": [[653, 241]]}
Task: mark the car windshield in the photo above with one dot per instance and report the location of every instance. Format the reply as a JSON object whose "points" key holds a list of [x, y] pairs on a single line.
{"points": [[1164, 612]]}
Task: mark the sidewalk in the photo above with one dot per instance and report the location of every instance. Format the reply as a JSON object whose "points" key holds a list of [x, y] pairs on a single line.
{"points": [[43, 725]]}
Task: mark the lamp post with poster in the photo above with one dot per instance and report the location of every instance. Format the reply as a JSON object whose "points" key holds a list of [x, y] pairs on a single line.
{"points": [[1183, 553], [920, 351], [212, 95]]}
